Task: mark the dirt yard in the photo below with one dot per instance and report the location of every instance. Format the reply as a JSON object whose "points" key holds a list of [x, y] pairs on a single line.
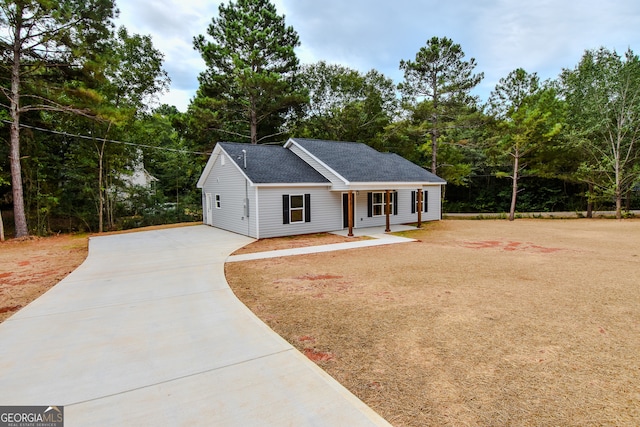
{"points": [[480, 323], [28, 268]]}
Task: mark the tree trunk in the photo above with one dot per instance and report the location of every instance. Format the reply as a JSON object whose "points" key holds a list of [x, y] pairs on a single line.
{"points": [[618, 190], [514, 191], [1, 228], [20, 217], [109, 201], [100, 190], [434, 126], [434, 150], [254, 123], [590, 202]]}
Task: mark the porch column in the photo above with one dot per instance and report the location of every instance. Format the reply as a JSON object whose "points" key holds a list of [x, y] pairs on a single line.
{"points": [[350, 212], [388, 209], [419, 207]]}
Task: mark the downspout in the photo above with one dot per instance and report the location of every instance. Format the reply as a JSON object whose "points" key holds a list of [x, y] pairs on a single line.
{"points": [[246, 195], [257, 213], [246, 204]]}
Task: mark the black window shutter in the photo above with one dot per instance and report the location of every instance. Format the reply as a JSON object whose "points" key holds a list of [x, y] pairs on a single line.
{"points": [[369, 205], [413, 202], [425, 200], [307, 208], [285, 209], [395, 203]]}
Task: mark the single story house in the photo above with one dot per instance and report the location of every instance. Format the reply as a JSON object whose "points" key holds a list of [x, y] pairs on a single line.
{"points": [[311, 186]]}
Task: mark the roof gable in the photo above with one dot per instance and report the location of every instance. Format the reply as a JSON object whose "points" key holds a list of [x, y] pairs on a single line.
{"points": [[357, 162]]}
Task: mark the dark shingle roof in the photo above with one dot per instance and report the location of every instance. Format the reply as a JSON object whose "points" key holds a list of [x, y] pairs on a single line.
{"points": [[358, 162], [272, 164]]}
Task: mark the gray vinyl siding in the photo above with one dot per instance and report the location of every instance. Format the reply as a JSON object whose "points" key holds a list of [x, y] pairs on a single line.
{"points": [[326, 211], [227, 181], [337, 183], [434, 203]]}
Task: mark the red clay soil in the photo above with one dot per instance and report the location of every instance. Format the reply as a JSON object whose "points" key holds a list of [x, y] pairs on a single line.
{"points": [[29, 267]]}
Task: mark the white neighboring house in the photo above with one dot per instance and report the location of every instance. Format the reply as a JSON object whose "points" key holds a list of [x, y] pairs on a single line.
{"points": [[139, 177], [312, 186]]}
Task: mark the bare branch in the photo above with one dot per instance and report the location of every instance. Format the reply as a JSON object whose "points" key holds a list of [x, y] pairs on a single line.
{"points": [[229, 132], [269, 136]]}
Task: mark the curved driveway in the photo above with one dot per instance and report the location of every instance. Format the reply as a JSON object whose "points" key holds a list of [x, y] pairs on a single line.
{"points": [[147, 332]]}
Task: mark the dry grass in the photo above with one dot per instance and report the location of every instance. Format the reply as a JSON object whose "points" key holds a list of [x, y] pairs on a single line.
{"points": [[530, 323]]}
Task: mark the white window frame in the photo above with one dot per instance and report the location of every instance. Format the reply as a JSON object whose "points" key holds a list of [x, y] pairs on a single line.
{"points": [[293, 209], [218, 201], [381, 205]]}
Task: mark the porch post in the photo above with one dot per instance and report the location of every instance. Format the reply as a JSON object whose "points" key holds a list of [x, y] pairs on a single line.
{"points": [[419, 207], [388, 209], [350, 212]]}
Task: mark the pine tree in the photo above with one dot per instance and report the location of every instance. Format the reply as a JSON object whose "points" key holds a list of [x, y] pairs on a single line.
{"points": [[251, 69], [44, 37], [442, 78]]}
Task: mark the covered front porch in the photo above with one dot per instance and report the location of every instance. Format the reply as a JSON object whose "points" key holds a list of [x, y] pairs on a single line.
{"points": [[378, 206]]}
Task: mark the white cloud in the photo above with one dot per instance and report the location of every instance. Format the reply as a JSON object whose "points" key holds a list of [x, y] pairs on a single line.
{"points": [[172, 25], [541, 36]]}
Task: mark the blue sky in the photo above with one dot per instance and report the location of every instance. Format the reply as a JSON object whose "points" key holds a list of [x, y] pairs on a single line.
{"points": [[542, 36]]}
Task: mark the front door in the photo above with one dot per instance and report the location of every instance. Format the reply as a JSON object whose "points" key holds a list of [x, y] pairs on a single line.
{"points": [[345, 210]]}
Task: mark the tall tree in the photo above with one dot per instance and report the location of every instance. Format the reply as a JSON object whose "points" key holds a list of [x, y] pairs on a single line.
{"points": [[440, 76], [251, 69], [77, 178], [42, 36], [603, 94], [345, 104], [528, 117], [133, 75], [2, 182]]}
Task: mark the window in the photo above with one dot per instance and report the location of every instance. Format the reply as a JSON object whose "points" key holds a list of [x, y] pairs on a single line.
{"points": [[424, 203], [296, 208], [218, 204], [377, 202]]}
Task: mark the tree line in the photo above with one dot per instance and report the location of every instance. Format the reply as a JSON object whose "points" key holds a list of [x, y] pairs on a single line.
{"points": [[77, 122]]}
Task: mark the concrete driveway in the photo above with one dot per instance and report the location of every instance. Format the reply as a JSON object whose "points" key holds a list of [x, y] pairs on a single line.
{"points": [[147, 332]]}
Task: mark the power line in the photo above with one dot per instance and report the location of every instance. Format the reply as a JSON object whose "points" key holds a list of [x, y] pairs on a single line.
{"points": [[92, 138]]}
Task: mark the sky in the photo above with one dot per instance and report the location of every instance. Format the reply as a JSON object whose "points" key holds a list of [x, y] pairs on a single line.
{"points": [[541, 36]]}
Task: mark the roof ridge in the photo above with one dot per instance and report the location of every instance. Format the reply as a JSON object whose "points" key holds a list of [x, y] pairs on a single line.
{"points": [[329, 140]]}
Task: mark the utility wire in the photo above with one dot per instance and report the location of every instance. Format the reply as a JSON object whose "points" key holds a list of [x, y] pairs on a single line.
{"points": [[92, 138]]}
